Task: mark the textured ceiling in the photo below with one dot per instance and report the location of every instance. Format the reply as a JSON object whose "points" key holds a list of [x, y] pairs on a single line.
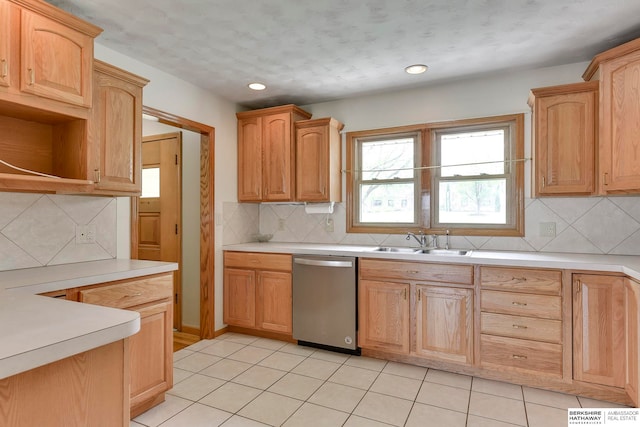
{"points": [[309, 51]]}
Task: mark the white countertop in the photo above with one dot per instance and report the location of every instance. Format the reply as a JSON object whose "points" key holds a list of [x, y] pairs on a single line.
{"points": [[627, 264], [36, 330]]}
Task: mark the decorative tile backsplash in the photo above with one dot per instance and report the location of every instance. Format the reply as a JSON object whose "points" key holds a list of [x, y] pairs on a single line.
{"points": [[598, 225], [38, 230]]}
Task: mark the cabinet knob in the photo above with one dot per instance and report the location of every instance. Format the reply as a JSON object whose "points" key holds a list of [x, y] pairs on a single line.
{"points": [[518, 356], [519, 327], [32, 77], [605, 179], [543, 182], [5, 67], [519, 304]]}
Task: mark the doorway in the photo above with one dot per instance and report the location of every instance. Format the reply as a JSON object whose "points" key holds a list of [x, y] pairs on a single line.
{"points": [[205, 210]]}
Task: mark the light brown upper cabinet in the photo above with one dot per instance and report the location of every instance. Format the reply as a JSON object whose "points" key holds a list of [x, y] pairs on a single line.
{"points": [[46, 55], [618, 71], [115, 130], [564, 138], [266, 153], [318, 160]]}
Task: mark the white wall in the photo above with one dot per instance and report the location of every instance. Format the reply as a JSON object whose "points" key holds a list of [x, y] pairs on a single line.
{"points": [[173, 95]]}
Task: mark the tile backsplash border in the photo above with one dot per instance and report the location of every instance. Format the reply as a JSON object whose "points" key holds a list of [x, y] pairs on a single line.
{"points": [[592, 225]]}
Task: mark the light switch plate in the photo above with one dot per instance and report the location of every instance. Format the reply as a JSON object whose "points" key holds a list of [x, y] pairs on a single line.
{"points": [[85, 234]]}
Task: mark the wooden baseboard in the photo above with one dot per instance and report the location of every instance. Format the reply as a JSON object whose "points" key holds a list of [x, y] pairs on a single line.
{"points": [[191, 330], [220, 332], [261, 334]]}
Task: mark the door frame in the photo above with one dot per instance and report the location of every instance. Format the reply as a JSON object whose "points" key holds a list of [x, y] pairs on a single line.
{"points": [[207, 225]]}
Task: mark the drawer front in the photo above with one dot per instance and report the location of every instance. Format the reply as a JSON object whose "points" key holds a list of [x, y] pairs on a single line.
{"points": [[539, 357], [542, 306], [522, 327], [130, 293], [376, 269], [260, 261], [546, 282]]}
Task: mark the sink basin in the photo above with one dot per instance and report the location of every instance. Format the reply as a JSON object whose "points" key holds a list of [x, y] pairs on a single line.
{"points": [[457, 252], [392, 249]]}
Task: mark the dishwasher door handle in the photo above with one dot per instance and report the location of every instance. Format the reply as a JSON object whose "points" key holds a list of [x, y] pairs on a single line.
{"points": [[323, 263]]}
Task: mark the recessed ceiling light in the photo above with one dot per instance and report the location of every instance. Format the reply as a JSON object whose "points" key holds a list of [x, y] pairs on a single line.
{"points": [[416, 69], [257, 86]]}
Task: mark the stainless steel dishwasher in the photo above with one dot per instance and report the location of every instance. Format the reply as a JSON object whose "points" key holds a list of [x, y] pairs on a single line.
{"points": [[324, 302]]}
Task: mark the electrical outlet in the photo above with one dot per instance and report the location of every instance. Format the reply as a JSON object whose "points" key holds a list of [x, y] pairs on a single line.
{"points": [[281, 222], [85, 234], [328, 225], [547, 229]]}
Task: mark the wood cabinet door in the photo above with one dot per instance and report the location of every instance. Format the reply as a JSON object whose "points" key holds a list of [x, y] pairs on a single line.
{"points": [[274, 303], [115, 129], [250, 159], [152, 353], [444, 323], [5, 43], [565, 143], [239, 300], [620, 124], [598, 329], [632, 302], [312, 164], [383, 313], [278, 161], [56, 61]]}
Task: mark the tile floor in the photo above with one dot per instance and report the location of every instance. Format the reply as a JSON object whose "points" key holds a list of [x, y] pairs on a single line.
{"points": [[239, 380]]}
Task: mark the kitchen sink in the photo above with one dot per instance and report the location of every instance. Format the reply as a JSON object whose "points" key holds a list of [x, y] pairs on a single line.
{"points": [[460, 252], [449, 252], [392, 249]]}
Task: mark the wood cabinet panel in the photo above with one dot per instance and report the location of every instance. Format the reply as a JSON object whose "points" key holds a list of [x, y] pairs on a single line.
{"points": [[632, 343], [375, 269], [239, 297], [262, 261], [516, 303], [619, 146], [250, 159], [548, 282], [444, 323], [274, 303], [5, 43], [565, 129], [115, 130], [318, 160], [598, 329], [383, 311], [524, 355], [130, 293], [278, 158], [151, 348], [522, 327], [56, 61], [88, 389]]}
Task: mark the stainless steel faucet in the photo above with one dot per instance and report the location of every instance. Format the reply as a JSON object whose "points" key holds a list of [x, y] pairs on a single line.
{"points": [[422, 240], [447, 244]]}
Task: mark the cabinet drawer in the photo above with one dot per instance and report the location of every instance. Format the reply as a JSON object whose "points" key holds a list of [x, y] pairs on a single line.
{"points": [[522, 327], [375, 269], [130, 293], [546, 282], [527, 355], [281, 262], [542, 306]]}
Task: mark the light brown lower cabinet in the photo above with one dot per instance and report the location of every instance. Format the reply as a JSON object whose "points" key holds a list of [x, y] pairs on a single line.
{"points": [[87, 389], [632, 343], [151, 361], [257, 291], [384, 316], [599, 329]]}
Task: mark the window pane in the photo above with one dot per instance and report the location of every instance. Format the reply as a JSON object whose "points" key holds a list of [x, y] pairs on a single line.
{"points": [[150, 182], [473, 147], [391, 203], [380, 156], [473, 202]]}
